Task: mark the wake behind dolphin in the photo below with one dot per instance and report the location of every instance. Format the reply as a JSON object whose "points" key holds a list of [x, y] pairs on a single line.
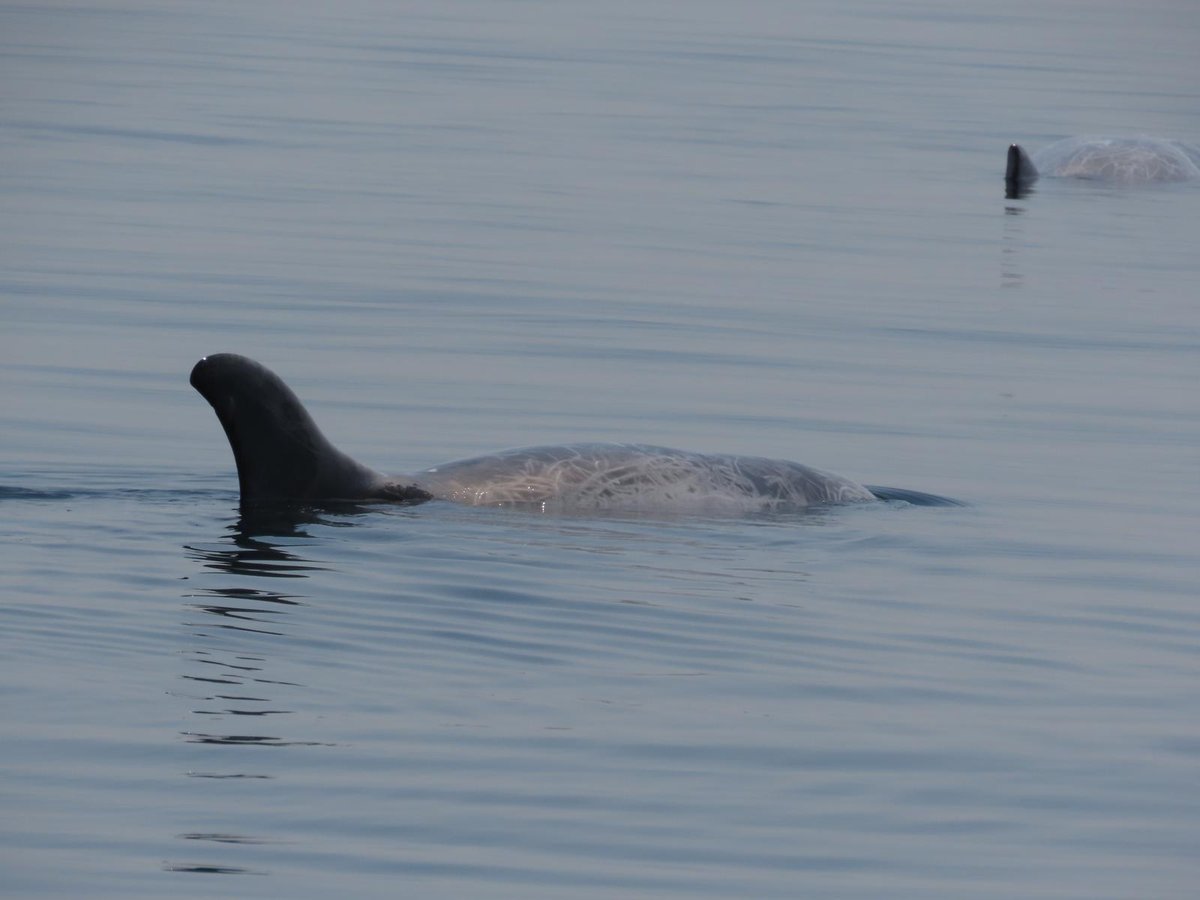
{"points": [[282, 457]]}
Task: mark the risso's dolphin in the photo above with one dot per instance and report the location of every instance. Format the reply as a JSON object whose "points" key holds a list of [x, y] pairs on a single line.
{"points": [[1122, 160], [283, 458]]}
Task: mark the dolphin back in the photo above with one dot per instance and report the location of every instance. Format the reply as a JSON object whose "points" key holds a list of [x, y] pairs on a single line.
{"points": [[636, 477]]}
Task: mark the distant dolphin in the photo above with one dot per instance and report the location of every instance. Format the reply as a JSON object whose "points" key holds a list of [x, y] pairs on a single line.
{"points": [[1123, 160], [282, 457]]}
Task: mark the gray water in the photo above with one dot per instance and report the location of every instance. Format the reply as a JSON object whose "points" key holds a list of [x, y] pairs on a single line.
{"points": [[766, 228]]}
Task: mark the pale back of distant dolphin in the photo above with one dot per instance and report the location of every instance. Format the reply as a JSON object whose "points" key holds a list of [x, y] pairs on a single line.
{"points": [[1140, 159], [282, 457]]}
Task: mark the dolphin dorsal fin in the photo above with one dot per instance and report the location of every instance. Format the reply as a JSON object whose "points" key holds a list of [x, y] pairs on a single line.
{"points": [[281, 454], [1020, 172]]}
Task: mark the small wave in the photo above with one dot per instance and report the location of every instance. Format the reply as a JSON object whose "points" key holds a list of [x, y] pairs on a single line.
{"points": [[14, 492], [10, 492], [915, 498]]}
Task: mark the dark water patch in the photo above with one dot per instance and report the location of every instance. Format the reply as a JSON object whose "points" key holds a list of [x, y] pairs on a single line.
{"points": [[133, 134], [219, 838], [242, 712], [247, 740], [210, 869], [9, 492], [102, 494], [211, 680]]}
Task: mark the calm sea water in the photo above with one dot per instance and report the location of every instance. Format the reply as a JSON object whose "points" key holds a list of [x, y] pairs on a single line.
{"points": [[771, 228]]}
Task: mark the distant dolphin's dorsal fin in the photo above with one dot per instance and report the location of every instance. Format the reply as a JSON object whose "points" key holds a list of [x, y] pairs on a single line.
{"points": [[280, 453], [1020, 171]]}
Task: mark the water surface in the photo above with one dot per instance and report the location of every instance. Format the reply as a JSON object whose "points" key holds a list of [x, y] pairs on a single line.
{"points": [[774, 229]]}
